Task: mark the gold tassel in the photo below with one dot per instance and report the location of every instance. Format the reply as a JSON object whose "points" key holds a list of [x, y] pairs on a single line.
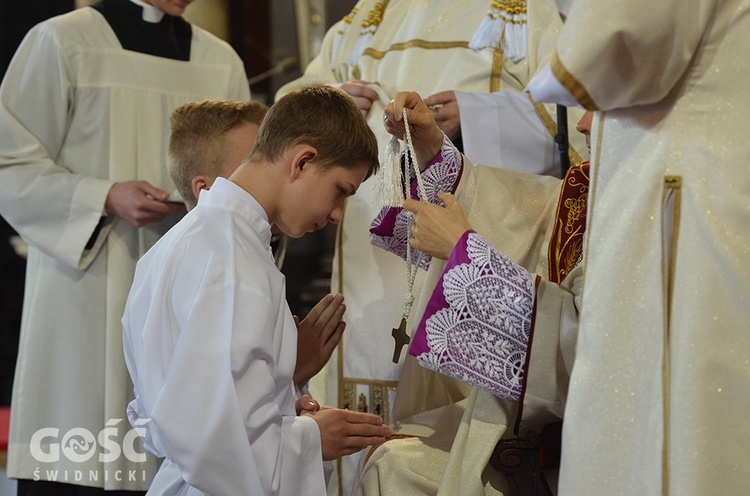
{"points": [[369, 27]]}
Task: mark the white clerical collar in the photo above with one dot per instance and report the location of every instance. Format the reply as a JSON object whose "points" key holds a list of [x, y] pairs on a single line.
{"points": [[224, 192], [150, 13]]}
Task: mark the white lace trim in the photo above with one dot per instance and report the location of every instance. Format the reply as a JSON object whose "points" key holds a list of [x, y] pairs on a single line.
{"points": [[440, 176], [482, 336]]}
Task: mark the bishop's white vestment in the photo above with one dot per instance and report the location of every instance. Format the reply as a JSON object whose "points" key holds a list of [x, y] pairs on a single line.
{"points": [[659, 402], [422, 46], [78, 113], [512, 284]]}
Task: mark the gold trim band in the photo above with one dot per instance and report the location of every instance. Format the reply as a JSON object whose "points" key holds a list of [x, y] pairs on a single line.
{"points": [[671, 210], [371, 382], [572, 84], [424, 44], [497, 70]]}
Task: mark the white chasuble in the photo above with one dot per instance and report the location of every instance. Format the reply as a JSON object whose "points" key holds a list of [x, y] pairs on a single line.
{"points": [[447, 446], [421, 46], [660, 391], [86, 116]]}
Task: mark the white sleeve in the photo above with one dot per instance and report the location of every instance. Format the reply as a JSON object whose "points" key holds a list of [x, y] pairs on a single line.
{"points": [[51, 208], [613, 54], [544, 87], [216, 413], [503, 129]]}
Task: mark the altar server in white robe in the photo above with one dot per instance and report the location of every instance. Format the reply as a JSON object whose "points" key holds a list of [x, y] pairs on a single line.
{"points": [[209, 139], [84, 124], [210, 342], [431, 46], [660, 393]]}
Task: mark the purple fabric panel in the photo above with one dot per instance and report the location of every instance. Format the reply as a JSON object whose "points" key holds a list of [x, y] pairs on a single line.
{"points": [[390, 229], [437, 301], [478, 321]]}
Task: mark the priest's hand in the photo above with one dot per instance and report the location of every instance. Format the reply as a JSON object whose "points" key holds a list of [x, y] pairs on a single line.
{"points": [[361, 94], [138, 203], [317, 336], [306, 403], [426, 136], [343, 432], [445, 111], [437, 230]]}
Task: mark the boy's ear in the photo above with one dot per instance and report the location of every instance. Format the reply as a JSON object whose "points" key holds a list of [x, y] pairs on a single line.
{"points": [[199, 182], [302, 156]]}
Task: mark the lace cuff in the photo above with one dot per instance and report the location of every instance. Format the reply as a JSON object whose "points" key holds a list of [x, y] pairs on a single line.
{"points": [[478, 322], [390, 229]]}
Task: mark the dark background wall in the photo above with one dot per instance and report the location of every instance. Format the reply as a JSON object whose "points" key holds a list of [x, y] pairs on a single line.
{"points": [[16, 18], [266, 32]]}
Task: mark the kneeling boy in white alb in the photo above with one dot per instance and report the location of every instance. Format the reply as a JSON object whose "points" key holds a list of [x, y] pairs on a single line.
{"points": [[210, 342]]}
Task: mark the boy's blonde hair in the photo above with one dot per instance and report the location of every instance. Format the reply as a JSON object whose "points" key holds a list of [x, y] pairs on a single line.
{"points": [[197, 144]]}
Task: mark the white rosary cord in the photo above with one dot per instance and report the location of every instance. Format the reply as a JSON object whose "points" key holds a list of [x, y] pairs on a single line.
{"points": [[410, 150], [411, 268]]}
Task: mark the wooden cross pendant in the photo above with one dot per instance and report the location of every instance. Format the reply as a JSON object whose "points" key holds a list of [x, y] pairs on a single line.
{"points": [[401, 338]]}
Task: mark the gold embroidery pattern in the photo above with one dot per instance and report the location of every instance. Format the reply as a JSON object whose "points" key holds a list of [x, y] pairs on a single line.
{"points": [[378, 401], [507, 9], [375, 16], [566, 243], [575, 207], [364, 395], [369, 27], [362, 403], [348, 19], [349, 390]]}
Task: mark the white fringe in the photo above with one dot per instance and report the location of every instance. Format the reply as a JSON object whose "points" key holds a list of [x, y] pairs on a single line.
{"points": [[516, 46], [336, 45], [489, 33], [361, 44], [496, 32], [391, 190]]}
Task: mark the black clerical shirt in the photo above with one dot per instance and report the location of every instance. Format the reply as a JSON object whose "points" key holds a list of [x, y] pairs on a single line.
{"points": [[168, 38]]}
